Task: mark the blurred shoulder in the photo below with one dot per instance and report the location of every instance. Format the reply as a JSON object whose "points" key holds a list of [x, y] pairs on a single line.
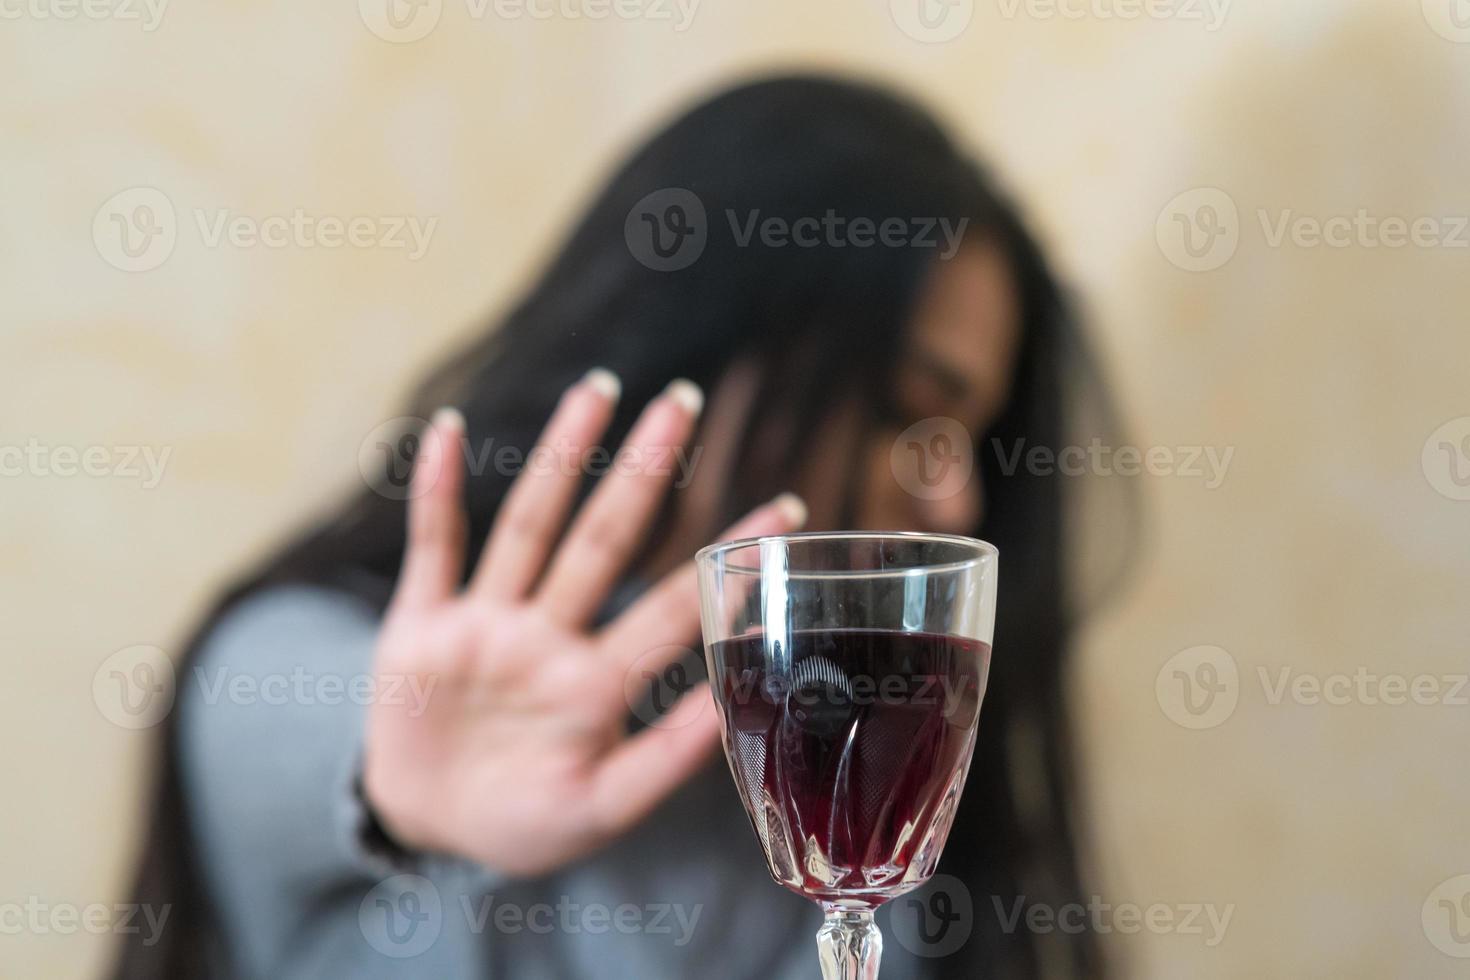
{"points": [[294, 617]]}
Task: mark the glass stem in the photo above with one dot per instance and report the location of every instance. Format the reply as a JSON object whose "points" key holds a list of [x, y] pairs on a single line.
{"points": [[849, 944]]}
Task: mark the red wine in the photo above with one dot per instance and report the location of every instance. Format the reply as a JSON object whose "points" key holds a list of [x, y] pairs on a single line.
{"points": [[850, 750]]}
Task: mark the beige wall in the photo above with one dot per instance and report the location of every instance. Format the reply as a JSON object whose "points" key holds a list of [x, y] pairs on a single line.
{"points": [[1328, 548]]}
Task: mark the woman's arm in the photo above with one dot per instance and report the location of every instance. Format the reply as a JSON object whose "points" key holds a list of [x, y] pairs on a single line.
{"points": [[272, 712], [488, 720]]}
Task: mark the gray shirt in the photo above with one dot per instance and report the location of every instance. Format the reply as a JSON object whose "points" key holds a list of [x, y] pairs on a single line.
{"points": [[272, 717]]}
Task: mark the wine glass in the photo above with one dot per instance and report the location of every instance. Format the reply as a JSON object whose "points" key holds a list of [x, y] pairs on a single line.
{"points": [[849, 670]]}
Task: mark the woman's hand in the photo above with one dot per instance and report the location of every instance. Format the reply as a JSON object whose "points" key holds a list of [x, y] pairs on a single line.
{"points": [[520, 760]]}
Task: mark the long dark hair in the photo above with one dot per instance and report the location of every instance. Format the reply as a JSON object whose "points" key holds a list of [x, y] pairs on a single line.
{"points": [[822, 325]]}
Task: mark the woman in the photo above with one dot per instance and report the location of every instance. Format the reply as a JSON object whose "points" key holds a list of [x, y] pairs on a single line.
{"points": [[493, 792]]}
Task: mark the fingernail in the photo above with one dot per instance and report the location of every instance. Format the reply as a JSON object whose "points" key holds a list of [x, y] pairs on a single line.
{"points": [[448, 418], [792, 508], [687, 394], [605, 383]]}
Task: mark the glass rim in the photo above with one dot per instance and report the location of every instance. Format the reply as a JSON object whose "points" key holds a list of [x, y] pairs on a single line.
{"points": [[983, 551]]}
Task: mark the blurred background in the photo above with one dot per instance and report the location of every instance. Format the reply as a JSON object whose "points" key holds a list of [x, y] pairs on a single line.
{"points": [[1261, 205]]}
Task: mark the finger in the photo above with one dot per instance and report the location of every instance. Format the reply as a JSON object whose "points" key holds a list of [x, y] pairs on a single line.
{"points": [[644, 769], [433, 559], [535, 509], [668, 614], [612, 524]]}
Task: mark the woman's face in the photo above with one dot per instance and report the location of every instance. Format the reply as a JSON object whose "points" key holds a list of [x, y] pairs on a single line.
{"points": [[919, 472], [916, 473]]}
